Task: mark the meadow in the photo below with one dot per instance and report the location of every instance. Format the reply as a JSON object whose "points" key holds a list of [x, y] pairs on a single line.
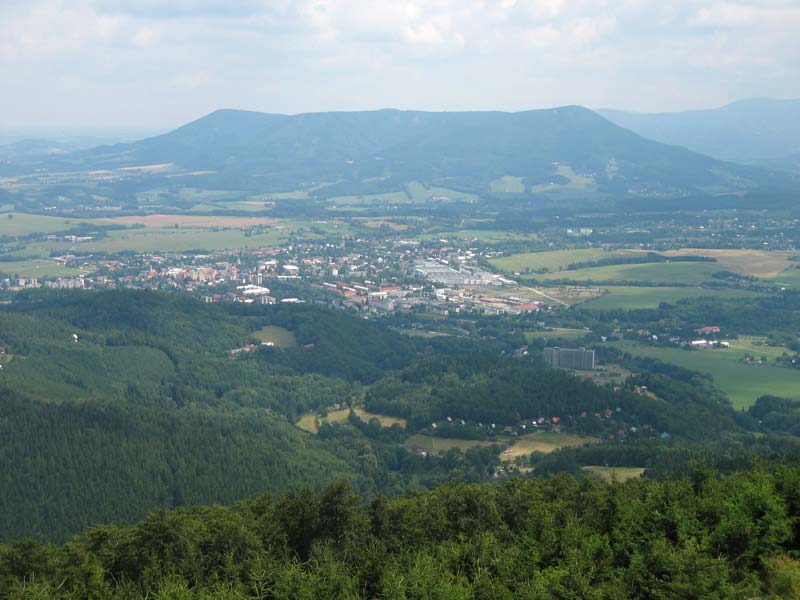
{"points": [[554, 260], [21, 224], [278, 336], [687, 273], [517, 447], [616, 473], [740, 382], [308, 422], [636, 297], [39, 268]]}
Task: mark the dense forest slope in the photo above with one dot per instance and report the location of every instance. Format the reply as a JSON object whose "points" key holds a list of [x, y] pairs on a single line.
{"points": [[149, 408], [699, 537], [362, 152]]}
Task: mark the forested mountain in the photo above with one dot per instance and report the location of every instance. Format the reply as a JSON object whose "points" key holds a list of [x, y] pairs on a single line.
{"points": [[758, 131], [362, 152], [116, 403], [700, 537]]}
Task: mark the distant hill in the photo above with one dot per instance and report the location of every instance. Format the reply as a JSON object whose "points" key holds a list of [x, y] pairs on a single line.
{"points": [[562, 149], [759, 131]]}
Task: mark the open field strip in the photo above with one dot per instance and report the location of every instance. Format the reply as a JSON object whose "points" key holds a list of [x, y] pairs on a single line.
{"points": [[740, 382], [618, 473], [635, 297], [516, 446], [308, 422]]}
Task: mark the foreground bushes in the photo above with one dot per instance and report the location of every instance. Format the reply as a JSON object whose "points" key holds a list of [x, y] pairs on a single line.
{"points": [[701, 537]]}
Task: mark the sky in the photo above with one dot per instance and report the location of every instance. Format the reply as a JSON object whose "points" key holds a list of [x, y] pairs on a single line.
{"points": [[136, 65]]}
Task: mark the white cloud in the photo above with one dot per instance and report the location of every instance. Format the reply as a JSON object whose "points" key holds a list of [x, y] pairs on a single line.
{"points": [[161, 63]]}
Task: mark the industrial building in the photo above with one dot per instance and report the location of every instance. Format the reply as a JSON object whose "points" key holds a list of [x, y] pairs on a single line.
{"points": [[569, 358]]}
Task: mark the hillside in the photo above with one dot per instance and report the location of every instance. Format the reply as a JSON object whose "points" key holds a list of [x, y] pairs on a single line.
{"points": [[367, 152], [149, 408], [758, 131]]}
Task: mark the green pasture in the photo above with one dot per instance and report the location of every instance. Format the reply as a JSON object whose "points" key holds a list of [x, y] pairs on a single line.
{"points": [[741, 383], [636, 297], [39, 268], [21, 224], [617, 473], [554, 259], [688, 273], [279, 336]]}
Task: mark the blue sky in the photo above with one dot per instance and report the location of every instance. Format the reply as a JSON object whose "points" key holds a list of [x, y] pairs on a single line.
{"points": [[150, 64]]}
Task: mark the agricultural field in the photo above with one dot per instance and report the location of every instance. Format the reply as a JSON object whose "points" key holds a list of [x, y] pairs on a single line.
{"points": [[308, 422], [636, 297], [489, 236], [687, 273], [190, 221], [517, 446], [39, 268], [507, 185], [740, 382], [617, 473], [556, 334], [554, 260], [575, 182], [421, 193], [278, 336], [545, 441], [21, 224], [757, 263], [437, 445]]}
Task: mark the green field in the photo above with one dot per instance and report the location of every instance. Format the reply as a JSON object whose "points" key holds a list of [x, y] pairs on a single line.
{"points": [[39, 268], [507, 185], [618, 473], [635, 297], [741, 383], [308, 422], [555, 259], [689, 273], [24, 224], [545, 441], [437, 445], [516, 446], [279, 336], [556, 334], [422, 193]]}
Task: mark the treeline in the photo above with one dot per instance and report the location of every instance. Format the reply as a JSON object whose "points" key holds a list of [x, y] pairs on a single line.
{"points": [[703, 536]]}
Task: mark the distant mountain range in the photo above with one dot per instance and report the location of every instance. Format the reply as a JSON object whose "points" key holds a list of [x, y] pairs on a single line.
{"points": [[568, 149], [761, 131]]}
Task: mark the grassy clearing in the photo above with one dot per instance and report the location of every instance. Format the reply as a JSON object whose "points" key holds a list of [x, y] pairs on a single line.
{"points": [[555, 259], [575, 182], [556, 334], [545, 441], [517, 447], [618, 473], [279, 336], [421, 193], [423, 334], [654, 273], [742, 383], [436, 445], [39, 268], [758, 263], [24, 224], [308, 422], [489, 236], [390, 197], [191, 221], [507, 185], [635, 297]]}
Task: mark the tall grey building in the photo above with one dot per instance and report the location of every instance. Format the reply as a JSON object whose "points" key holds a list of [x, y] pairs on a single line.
{"points": [[569, 358]]}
